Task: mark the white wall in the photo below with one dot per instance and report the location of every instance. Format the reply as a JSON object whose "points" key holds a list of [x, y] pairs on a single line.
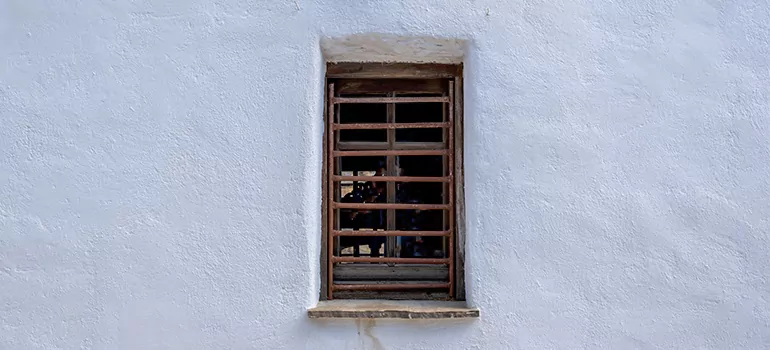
{"points": [[160, 173]]}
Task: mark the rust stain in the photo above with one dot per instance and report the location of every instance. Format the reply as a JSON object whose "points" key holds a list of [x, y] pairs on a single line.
{"points": [[368, 326]]}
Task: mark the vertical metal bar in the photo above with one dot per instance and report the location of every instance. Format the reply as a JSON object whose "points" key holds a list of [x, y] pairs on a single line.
{"points": [[337, 118], [330, 214], [450, 161], [445, 172], [390, 245]]}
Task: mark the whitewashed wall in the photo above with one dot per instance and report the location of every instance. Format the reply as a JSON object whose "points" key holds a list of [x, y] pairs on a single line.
{"points": [[160, 173]]}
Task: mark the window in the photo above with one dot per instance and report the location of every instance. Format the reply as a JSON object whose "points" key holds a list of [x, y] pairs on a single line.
{"points": [[393, 196]]}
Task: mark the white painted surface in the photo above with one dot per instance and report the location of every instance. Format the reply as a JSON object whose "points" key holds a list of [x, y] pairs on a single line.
{"points": [[617, 173]]}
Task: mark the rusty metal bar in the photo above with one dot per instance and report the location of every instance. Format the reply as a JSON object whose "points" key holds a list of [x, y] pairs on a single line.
{"points": [[450, 160], [391, 170], [385, 206], [364, 126], [393, 178], [391, 286], [330, 192], [377, 153], [376, 145], [444, 187], [337, 118], [394, 233], [337, 100], [390, 260]]}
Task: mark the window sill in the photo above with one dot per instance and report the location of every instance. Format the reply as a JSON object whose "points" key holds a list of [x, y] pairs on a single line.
{"points": [[412, 310]]}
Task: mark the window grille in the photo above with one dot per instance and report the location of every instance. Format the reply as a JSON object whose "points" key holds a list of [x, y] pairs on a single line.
{"points": [[390, 177]]}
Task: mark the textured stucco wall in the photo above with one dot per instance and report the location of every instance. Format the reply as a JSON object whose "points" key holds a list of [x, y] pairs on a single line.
{"points": [[156, 156]]}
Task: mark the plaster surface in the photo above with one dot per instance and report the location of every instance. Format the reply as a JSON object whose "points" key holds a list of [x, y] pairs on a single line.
{"points": [[160, 176]]}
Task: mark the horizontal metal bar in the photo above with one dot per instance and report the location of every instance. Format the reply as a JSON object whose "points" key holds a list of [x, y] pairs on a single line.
{"points": [[361, 126], [382, 206], [389, 286], [390, 260], [392, 178], [338, 100], [366, 145], [427, 152], [336, 233]]}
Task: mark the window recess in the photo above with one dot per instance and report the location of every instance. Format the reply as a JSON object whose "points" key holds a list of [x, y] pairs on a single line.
{"points": [[391, 180]]}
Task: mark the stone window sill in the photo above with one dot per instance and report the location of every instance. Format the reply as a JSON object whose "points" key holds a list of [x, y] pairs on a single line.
{"points": [[412, 310]]}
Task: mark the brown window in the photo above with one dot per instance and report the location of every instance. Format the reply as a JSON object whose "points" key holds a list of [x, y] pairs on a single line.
{"points": [[393, 182]]}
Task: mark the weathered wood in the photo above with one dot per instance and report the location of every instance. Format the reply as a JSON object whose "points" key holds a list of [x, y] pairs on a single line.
{"points": [[399, 86], [357, 272], [392, 295], [324, 293], [385, 285], [450, 197], [330, 189], [393, 309], [392, 70], [459, 174]]}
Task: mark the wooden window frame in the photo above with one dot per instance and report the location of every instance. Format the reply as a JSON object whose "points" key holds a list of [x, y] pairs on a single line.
{"points": [[365, 77]]}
